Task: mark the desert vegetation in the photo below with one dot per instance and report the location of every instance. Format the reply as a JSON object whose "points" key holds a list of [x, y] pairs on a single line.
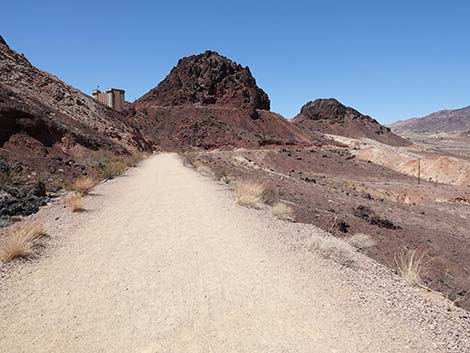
{"points": [[83, 184], [75, 202], [410, 264], [112, 169], [189, 159], [110, 165], [11, 175], [270, 195], [333, 249], [249, 193], [20, 240], [283, 212]]}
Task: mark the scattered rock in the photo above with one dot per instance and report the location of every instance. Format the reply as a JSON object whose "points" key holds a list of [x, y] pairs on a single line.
{"points": [[370, 216]]}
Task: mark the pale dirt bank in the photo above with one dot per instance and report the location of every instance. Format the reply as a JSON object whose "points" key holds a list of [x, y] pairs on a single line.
{"points": [[165, 261]]}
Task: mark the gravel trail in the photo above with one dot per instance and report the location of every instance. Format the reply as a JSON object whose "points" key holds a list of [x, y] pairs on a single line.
{"points": [[165, 261]]}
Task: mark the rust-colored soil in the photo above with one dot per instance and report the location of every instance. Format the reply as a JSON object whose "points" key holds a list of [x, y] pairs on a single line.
{"points": [[332, 189]]}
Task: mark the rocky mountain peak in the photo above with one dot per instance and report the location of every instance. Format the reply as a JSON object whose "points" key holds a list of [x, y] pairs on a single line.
{"points": [[2, 41], [332, 117], [208, 79], [328, 108]]}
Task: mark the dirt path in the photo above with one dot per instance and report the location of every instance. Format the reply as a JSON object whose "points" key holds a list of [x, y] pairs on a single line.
{"points": [[165, 261]]}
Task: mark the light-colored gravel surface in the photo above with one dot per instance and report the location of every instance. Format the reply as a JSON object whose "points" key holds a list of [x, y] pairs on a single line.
{"points": [[165, 261]]}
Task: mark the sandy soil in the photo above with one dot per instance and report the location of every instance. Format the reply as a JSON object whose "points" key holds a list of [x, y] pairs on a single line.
{"points": [[165, 261], [437, 166]]}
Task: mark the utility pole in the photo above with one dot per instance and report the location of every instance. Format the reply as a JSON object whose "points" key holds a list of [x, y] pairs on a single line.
{"points": [[419, 171]]}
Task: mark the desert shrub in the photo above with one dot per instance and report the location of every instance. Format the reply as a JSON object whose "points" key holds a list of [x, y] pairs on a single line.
{"points": [[189, 159], [59, 184], [283, 212], [270, 196], [83, 184], [10, 175], [20, 240], [75, 202], [108, 164], [113, 168], [249, 194], [334, 249], [135, 159], [220, 174], [100, 157], [410, 264], [361, 241]]}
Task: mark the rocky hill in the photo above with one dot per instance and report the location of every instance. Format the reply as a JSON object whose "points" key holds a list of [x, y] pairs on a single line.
{"points": [[329, 116], [38, 109], [209, 101], [49, 128], [457, 120], [208, 79]]}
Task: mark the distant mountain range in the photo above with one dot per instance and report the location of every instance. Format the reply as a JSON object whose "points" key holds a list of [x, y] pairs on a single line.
{"points": [[457, 120], [207, 101]]}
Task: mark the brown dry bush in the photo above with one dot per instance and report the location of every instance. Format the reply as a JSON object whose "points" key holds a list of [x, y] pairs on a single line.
{"points": [[249, 194], [108, 164], [20, 240], [270, 196], [75, 202], [133, 160], [334, 249], [113, 168], [283, 212], [83, 184], [410, 264]]}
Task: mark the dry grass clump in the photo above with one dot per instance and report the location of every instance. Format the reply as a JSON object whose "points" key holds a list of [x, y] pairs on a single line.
{"points": [[20, 241], [11, 177], [283, 212], [410, 264], [334, 249], [113, 168], [83, 184], [361, 241], [249, 194], [135, 159], [75, 202]]}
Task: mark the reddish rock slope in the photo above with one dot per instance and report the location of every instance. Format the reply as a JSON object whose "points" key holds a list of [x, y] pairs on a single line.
{"points": [[209, 101], [45, 122], [331, 117]]}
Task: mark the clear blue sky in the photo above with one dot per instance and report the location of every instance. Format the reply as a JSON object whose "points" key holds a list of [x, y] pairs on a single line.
{"points": [[389, 59]]}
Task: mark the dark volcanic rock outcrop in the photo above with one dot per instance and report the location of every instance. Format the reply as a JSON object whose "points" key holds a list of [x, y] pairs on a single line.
{"points": [[18, 195], [209, 101], [207, 79], [457, 120], [329, 116]]}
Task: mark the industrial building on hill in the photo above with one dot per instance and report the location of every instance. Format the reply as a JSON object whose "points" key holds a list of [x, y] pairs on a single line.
{"points": [[112, 97]]}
